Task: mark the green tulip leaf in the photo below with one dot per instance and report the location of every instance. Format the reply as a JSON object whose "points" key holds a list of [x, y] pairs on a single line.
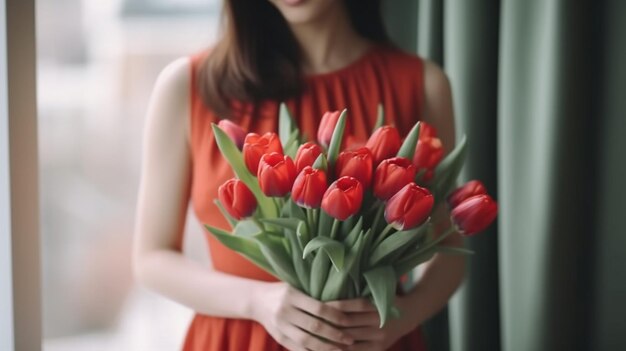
{"points": [[380, 119], [279, 259], [291, 148], [407, 150], [247, 228], [229, 218], [286, 223], [319, 273], [394, 243], [447, 171], [353, 261], [325, 223], [286, 124], [333, 248], [337, 283], [336, 139], [353, 234], [300, 265], [382, 284], [244, 246], [235, 159], [302, 234], [321, 163]]}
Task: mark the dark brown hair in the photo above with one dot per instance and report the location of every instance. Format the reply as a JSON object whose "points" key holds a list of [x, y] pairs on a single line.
{"points": [[258, 57]]}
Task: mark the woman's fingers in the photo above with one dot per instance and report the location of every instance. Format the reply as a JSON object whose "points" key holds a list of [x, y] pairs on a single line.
{"points": [[366, 346], [353, 305], [320, 328], [319, 309], [365, 333], [367, 319], [307, 341]]}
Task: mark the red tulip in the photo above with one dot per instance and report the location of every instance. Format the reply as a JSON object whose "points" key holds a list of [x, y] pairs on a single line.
{"points": [[234, 131], [474, 214], [276, 174], [384, 143], [409, 207], [309, 187], [306, 155], [469, 189], [343, 198], [255, 146], [237, 199], [352, 142], [428, 154], [427, 131], [392, 175], [356, 163], [327, 127]]}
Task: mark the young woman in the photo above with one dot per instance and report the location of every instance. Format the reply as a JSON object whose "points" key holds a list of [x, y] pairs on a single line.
{"points": [[317, 55]]}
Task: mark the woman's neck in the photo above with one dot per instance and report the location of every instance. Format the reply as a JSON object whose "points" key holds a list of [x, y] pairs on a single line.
{"points": [[329, 43]]}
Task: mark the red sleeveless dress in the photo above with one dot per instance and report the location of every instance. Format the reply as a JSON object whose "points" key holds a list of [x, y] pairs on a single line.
{"points": [[382, 75]]}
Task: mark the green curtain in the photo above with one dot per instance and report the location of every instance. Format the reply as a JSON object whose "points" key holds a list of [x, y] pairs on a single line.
{"points": [[539, 89]]}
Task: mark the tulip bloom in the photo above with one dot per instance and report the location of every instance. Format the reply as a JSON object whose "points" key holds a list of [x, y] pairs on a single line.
{"points": [[384, 143], [428, 154], [409, 207], [469, 189], [306, 155], [309, 187], [255, 146], [392, 175], [427, 131], [343, 198], [327, 127], [234, 131], [276, 174], [237, 199], [474, 214], [357, 163]]}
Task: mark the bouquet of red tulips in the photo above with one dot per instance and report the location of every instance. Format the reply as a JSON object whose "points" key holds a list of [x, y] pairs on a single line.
{"points": [[343, 224]]}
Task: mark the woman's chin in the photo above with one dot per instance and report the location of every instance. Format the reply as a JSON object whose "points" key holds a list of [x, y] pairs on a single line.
{"points": [[303, 11]]}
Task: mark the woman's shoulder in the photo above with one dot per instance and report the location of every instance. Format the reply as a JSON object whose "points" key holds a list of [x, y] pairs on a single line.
{"points": [[405, 61]]}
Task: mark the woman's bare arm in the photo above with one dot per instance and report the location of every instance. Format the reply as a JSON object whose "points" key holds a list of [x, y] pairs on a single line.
{"points": [[163, 198], [158, 261]]}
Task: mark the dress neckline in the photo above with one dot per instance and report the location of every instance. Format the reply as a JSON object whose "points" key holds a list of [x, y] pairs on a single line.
{"points": [[347, 68]]}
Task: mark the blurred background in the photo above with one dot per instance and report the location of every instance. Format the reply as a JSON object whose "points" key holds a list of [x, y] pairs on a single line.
{"points": [[97, 62], [538, 89]]}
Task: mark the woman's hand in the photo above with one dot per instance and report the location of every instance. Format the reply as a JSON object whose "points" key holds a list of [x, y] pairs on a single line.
{"points": [[365, 320], [299, 322]]}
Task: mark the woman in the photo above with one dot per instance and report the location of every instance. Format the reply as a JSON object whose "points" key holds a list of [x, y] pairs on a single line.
{"points": [[316, 55]]}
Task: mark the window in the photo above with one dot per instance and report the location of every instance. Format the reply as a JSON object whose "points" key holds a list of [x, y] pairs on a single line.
{"points": [[97, 61]]}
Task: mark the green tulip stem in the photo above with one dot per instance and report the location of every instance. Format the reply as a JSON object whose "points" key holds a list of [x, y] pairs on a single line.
{"points": [[311, 220], [277, 204], [383, 235], [379, 214], [333, 231], [442, 236]]}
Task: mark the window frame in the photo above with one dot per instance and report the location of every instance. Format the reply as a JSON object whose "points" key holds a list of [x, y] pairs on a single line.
{"points": [[20, 271]]}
